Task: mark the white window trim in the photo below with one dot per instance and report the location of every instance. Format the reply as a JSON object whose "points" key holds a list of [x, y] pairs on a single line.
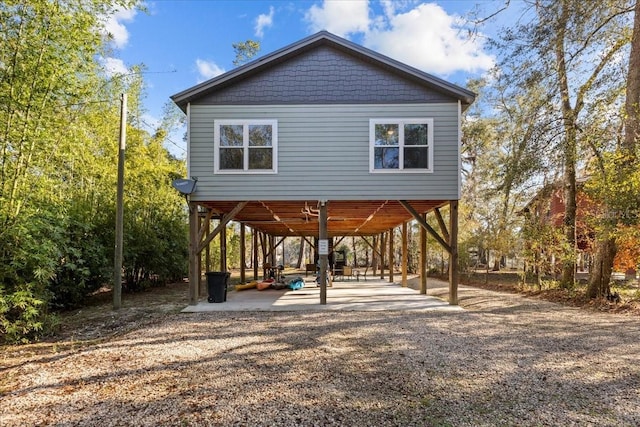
{"points": [[245, 145], [400, 122]]}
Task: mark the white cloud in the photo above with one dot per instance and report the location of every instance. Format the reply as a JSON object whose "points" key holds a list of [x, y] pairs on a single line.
{"points": [[339, 17], [427, 38], [114, 26], [264, 21], [423, 36], [207, 69], [113, 66]]}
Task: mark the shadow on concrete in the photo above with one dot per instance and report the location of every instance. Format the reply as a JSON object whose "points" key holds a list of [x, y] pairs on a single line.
{"points": [[370, 295]]}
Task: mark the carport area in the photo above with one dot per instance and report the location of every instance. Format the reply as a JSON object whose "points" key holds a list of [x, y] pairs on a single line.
{"points": [[370, 295], [323, 225]]}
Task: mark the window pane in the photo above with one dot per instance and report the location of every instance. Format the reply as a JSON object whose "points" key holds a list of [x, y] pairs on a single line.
{"points": [[231, 158], [260, 135], [415, 134], [416, 158], [231, 135], [386, 158], [387, 134], [260, 158]]}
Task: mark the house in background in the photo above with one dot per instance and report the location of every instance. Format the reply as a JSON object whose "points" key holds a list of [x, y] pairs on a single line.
{"points": [[321, 139], [547, 208]]}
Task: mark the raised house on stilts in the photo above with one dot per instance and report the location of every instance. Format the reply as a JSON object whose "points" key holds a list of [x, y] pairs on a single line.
{"points": [[324, 126]]}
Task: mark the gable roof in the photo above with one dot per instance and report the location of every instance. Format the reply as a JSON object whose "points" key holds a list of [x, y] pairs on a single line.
{"points": [[323, 38]]}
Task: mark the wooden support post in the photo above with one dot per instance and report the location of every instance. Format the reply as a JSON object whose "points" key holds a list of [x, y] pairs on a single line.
{"points": [[272, 252], [243, 255], [284, 255], [324, 255], [194, 273], [375, 256], [405, 253], [203, 224], [355, 253], [204, 229], [223, 248], [391, 257], [382, 246], [263, 247], [314, 252], [202, 283], [453, 255], [254, 232], [207, 249], [423, 258]]}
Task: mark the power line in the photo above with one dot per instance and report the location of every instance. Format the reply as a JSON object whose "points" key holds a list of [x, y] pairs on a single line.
{"points": [[166, 137]]}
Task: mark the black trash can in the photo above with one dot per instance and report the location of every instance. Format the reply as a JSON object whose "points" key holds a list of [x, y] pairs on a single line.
{"points": [[217, 285]]}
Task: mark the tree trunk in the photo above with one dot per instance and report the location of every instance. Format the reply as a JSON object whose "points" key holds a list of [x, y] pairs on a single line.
{"points": [[300, 254], [569, 115], [632, 105], [606, 247], [602, 265], [496, 264], [569, 259], [355, 254], [374, 257], [539, 269], [486, 272]]}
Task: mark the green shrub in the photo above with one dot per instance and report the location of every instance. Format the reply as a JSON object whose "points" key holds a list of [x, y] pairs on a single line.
{"points": [[27, 262], [83, 266]]}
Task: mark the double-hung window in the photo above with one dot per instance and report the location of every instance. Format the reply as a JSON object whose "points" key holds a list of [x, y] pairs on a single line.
{"points": [[401, 145], [246, 146]]}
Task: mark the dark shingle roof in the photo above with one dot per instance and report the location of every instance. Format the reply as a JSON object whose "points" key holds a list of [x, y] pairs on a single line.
{"points": [[323, 38]]}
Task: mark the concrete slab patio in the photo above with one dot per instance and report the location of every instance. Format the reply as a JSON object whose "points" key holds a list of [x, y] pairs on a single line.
{"points": [[370, 295]]}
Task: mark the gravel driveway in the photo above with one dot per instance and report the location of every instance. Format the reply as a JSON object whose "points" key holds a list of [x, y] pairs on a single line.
{"points": [[504, 361]]}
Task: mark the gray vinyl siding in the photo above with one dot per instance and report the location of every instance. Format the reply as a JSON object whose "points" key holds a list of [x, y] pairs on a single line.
{"points": [[323, 154]]}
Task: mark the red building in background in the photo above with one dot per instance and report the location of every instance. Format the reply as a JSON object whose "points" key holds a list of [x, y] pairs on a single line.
{"points": [[547, 208]]}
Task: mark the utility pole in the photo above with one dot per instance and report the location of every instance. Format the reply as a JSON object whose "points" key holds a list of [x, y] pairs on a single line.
{"points": [[323, 251], [117, 270]]}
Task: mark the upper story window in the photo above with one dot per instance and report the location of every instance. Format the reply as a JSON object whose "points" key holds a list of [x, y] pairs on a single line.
{"points": [[246, 146], [401, 145]]}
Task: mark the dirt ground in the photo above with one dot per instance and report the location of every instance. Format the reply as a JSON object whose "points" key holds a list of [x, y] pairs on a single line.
{"points": [[97, 320], [505, 360], [512, 283]]}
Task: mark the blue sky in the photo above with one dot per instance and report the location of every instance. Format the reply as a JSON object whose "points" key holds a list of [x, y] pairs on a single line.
{"points": [[182, 43]]}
